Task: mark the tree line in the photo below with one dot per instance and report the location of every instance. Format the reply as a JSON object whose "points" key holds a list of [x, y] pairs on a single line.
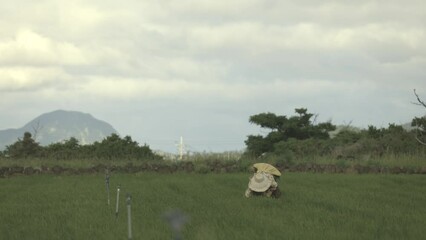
{"points": [[295, 137], [112, 147], [289, 138], [300, 137]]}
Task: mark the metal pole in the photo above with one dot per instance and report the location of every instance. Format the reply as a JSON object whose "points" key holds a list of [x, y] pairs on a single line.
{"points": [[129, 217], [117, 201], [107, 184]]}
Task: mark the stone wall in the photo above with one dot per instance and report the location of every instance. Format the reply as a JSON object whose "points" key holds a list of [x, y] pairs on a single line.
{"points": [[212, 167]]}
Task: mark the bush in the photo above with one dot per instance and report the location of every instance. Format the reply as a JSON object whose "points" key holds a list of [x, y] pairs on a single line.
{"points": [[201, 168]]}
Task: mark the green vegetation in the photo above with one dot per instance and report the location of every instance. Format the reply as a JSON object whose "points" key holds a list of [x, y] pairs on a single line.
{"points": [[112, 147], [299, 139], [420, 122], [69, 201], [290, 141], [298, 127], [313, 206]]}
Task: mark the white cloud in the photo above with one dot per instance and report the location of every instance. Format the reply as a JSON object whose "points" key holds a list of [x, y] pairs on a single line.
{"points": [[30, 48], [152, 89], [29, 78], [122, 88], [222, 55], [79, 13], [253, 37]]}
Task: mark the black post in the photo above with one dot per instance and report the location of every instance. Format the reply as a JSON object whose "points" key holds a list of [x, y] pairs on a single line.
{"points": [[107, 184]]}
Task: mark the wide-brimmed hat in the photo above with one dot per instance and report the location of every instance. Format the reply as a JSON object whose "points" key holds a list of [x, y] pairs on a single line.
{"points": [[268, 168], [259, 182]]}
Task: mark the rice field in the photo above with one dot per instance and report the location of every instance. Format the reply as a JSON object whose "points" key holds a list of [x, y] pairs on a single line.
{"points": [[312, 206]]}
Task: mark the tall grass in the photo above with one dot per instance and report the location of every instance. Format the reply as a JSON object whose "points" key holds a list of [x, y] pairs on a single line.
{"points": [[313, 206], [243, 162], [69, 163], [389, 160]]}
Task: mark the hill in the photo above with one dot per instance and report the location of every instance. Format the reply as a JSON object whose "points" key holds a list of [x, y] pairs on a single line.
{"points": [[60, 125]]}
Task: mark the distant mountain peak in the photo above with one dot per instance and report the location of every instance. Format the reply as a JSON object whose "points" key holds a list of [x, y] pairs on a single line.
{"points": [[60, 125]]}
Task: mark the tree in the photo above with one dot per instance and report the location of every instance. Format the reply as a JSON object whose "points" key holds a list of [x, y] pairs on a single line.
{"points": [[420, 123], [23, 148], [114, 147], [36, 129], [282, 128], [67, 149]]}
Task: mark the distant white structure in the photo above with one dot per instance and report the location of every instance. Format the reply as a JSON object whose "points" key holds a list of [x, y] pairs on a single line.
{"points": [[181, 148]]}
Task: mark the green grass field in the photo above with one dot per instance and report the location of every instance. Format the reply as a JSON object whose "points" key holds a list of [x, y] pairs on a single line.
{"points": [[313, 206]]}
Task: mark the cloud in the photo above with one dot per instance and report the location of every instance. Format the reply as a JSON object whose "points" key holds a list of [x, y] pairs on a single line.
{"points": [[204, 58], [254, 38], [30, 48], [157, 89], [29, 78]]}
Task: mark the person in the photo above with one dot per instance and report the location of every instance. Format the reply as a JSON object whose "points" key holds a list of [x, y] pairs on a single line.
{"points": [[264, 181]]}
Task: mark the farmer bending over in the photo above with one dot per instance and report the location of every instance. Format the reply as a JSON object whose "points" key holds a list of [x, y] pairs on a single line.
{"points": [[263, 182]]}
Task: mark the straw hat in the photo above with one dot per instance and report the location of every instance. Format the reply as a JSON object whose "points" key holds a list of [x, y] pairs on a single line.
{"points": [[259, 182], [268, 168]]}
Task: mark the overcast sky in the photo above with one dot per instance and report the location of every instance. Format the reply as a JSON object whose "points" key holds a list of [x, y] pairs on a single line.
{"points": [[157, 70]]}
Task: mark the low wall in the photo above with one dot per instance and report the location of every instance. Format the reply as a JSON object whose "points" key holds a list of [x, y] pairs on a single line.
{"points": [[208, 168]]}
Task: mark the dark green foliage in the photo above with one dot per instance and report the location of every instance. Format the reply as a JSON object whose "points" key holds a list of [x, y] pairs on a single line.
{"points": [[299, 127], [347, 137], [374, 132], [419, 122], [112, 147], [65, 150], [420, 129], [257, 145], [297, 138], [24, 148]]}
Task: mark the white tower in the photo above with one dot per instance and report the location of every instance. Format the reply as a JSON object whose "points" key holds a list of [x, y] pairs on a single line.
{"points": [[181, 148]]}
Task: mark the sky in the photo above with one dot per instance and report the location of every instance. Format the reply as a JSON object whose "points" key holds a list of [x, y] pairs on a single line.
{"points": [[157, 70]]}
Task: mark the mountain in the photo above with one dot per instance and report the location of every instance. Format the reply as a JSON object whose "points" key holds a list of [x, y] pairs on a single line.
{"points": [[58, 126]]}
